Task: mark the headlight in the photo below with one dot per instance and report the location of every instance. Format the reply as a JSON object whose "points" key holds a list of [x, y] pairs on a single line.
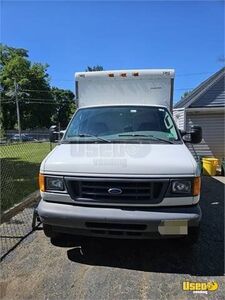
{"points": [[181, 187], [54, 184]]}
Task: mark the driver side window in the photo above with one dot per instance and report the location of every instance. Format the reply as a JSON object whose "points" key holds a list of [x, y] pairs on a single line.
{"points": [[169, 125]]}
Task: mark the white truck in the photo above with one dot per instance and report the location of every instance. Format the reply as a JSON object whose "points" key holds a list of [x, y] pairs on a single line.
{"points": [[122, 168]]}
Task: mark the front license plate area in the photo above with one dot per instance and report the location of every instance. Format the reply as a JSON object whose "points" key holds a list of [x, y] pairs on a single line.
{"points": [[173, 227]]}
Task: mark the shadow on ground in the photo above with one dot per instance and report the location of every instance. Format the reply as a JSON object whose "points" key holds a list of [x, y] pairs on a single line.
{"points": [[206, 258]]}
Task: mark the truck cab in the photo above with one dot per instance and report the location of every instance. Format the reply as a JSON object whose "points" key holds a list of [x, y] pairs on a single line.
{"points": [[122, 168]]}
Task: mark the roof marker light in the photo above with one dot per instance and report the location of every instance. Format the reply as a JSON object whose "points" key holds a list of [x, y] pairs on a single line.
{"points": [[111, 75], [135, 74], [123, 74]]}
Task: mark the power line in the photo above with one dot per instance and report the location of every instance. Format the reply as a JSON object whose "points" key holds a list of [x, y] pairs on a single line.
{"points": [[29, 99], [38, 99], [34, 102], [42, 91], [184, 89], [31, 102], [193, 74], [64, 79]]}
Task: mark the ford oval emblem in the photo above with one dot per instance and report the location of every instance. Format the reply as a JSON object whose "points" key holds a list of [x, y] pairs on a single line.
{"points": [[115, 191]]}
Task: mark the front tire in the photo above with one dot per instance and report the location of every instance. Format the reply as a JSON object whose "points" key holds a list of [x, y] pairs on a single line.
{"points": [[48, 231]]}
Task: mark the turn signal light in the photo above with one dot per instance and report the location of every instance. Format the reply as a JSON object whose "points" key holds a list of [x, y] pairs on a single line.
{"points": [[196, 186], [41, 182]]}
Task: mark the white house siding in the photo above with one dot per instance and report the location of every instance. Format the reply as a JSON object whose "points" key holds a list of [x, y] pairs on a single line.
{"points": [[179, 117], [212, 124]]}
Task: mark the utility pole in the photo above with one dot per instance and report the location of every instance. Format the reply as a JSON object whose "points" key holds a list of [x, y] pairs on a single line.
{"points": [[17, 109], [58, 114]]}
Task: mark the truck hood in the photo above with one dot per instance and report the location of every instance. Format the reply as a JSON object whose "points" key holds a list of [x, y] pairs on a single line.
{"points": [[120, 159]]}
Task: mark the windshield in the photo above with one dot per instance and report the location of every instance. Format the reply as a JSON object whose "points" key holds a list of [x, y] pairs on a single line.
{"points": [[122, 124]]}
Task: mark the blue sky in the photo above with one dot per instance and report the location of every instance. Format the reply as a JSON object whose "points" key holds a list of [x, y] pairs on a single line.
{"points": [[69, 35]]}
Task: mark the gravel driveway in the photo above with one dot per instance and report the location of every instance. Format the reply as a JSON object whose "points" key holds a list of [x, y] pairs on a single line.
{"points": [[98, 269]]}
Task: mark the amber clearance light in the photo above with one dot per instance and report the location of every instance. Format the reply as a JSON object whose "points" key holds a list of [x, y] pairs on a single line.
{"points": [[196, 186], [41, 182]]}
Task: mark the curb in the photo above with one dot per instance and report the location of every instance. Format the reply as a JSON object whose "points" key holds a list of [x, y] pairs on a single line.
{"points": [[11, 212]]}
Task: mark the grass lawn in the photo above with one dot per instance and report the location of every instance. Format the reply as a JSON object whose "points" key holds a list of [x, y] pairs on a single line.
{"points": [[20, 165]]}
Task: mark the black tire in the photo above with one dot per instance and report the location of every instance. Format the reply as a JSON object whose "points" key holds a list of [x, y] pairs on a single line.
{"points": [[48, 231], [193, 236]]}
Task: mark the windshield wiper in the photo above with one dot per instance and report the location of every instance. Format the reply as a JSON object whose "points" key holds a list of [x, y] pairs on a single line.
{"points": [[95, 136], [149, 136]]}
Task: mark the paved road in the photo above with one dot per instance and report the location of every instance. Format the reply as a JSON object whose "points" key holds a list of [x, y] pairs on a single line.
{"points": [[113, 269]]}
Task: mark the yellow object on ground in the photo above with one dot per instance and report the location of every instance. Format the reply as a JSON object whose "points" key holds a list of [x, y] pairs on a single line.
{"points": [[209, 166]]}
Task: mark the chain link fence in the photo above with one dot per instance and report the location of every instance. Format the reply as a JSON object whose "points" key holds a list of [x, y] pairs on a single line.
{"points": [[20, 163]]}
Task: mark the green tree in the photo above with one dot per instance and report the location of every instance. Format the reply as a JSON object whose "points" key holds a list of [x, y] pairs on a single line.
{"points": [[64, 108], [34, 93], [13, 67], [39, 106], [185, 94], [94, 68]]}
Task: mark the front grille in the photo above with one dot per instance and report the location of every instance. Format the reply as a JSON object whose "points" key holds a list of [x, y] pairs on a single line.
{"points": [[117, 233], [116, 226], [133, 191]]}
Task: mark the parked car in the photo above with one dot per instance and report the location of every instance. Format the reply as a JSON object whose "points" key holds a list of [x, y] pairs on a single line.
{"points": [[122, 169], [24, 137]]}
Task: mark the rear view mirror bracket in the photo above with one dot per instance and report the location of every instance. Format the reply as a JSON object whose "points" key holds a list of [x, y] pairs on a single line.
{"points": [[53, 134]]}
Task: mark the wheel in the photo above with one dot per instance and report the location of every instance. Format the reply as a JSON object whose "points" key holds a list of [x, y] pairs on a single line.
{"points": [[193, 235], [48, 231]]}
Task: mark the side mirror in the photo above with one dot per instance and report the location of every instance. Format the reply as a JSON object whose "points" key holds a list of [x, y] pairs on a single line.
{"points": [[62, 133], [196, 134], [53, 134], [182, 132]]}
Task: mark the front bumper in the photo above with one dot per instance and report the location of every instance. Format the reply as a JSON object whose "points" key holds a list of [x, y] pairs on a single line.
{"points": [[115, 222]]}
